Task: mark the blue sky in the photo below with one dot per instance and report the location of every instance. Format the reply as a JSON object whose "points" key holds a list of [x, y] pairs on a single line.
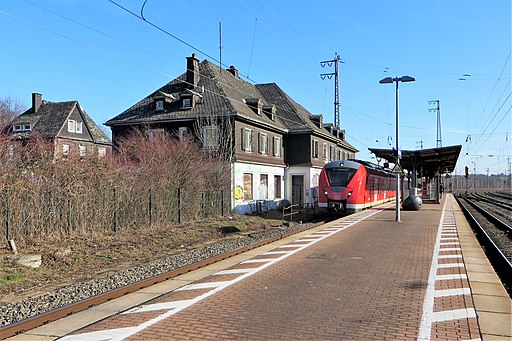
{"points": [[107, 59]]}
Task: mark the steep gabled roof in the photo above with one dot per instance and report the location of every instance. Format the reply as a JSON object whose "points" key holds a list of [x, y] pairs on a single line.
{"points": [[50, 117]]}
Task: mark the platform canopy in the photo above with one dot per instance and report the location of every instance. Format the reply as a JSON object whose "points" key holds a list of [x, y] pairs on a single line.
{"points": [[427, 162]]}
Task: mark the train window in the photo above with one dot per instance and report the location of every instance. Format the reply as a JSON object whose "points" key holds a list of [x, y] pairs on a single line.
{"points": [[340, 176]]}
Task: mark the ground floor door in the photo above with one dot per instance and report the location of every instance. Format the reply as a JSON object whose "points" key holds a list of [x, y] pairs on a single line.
{"points": [[298, 189]]}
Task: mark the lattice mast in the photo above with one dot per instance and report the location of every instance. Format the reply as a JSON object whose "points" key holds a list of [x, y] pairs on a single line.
{"points": [[437, 109], [335, 61]]}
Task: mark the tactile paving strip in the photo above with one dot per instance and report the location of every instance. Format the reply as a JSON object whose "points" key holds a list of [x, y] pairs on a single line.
{"points": [[448, 311]]}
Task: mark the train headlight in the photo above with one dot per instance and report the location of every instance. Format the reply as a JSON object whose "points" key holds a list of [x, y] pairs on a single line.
{"points": [[325, 193], [349, 194]]}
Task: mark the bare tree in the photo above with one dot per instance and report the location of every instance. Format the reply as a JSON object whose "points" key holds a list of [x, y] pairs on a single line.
{"points": [[10, 107]]}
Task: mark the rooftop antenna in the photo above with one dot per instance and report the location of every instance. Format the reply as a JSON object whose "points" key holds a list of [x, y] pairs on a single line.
{"points": [[220, 44]]}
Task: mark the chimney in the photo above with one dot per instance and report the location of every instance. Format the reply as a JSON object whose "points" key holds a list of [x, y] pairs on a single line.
{"points": [[192, 71], [233, 70], [37, 99]]}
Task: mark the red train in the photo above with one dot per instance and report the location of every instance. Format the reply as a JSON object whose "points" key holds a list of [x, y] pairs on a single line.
{"points": [[349, 186]]}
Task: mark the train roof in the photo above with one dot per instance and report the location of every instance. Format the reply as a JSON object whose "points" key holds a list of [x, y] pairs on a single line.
{"points": [[354, 163]]}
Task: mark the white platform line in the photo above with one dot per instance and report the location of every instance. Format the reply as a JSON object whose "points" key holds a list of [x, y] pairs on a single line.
{"points": [[445, 239], [450, 265], [450, 315], [233, 272], [451, 277], [449, 256], [452, 292], [450, 249], [158, 306], [203, 285], [276, 253], [290, 246], [444, 244], [262, 260]]}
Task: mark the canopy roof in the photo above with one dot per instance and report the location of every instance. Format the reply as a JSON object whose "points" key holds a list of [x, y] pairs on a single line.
{"points": [[429, 162]]}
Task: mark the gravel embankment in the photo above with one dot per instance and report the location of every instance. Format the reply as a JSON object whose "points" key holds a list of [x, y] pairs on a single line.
{"points": [[13, 312]]}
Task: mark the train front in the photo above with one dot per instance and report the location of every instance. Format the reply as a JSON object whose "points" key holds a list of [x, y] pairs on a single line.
{"points": [[338, 185]]}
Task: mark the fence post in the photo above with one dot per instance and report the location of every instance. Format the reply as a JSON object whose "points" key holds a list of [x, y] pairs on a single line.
{"points": [[150, 206], [222, 202], [7, 214], [114, 228], [203, 206], [179, 205], [69, 213]]}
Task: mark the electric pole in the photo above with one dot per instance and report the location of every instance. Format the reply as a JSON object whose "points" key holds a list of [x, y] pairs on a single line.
{"points": [[335, 61], [436, 102]]}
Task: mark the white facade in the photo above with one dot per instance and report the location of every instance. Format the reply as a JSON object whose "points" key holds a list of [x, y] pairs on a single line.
{"points": [[309, 192], [262, 186]]}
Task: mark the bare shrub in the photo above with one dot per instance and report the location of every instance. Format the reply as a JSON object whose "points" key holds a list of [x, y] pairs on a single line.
{"points": [[158, 181]]}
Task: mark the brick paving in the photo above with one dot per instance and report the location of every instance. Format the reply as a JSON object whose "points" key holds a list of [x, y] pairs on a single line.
{"points": [[364, 280]]}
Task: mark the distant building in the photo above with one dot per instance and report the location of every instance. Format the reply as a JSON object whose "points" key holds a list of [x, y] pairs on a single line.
{"points": [[275, 146], [66, 124]]}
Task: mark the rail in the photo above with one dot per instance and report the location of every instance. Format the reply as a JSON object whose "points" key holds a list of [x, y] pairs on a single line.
{"points": [[500, 262]]}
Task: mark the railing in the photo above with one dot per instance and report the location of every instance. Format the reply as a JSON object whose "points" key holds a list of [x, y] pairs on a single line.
{"points": [[291, 212]]}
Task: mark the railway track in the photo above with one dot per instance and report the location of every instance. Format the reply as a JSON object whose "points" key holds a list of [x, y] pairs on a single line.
{"points": [[58, 313], [493, 233]]}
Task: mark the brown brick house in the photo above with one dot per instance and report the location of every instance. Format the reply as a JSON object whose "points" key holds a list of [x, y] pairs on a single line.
{"points": [[268, 138], [66, 124]]}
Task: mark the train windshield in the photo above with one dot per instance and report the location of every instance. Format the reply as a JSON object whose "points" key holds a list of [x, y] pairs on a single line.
{"points": [[340, 176]]}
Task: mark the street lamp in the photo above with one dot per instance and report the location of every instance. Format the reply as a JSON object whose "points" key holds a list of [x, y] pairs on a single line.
{"points": [[390, 80]]}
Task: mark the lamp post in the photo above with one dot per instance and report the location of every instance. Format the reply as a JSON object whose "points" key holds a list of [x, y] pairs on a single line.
{"points": [[390, 80]]}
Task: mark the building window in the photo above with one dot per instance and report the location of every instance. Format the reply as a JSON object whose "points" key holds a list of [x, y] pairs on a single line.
{"points": [[324, 151], [332, 153], [74, 126], [246, 140], [277, 186], [159, 105], [315, 149], [82, 149], [338, 154], [263, 186], [21, 127], [102, 151], [277, 146], [187, 103], [65, 150], [182, 131], [247, 186], [71, 126], [211, 137], [263, 143]]}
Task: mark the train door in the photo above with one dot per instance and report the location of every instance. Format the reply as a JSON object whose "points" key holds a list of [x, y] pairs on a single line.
{"points": [[298, 189]]}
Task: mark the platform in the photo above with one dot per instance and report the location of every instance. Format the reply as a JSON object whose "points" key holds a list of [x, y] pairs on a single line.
{"points": [[363, 277]]}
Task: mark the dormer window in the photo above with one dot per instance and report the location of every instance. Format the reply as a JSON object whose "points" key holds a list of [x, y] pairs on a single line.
{"points": [[254, 104], [187, 103], [159, 105], [270, 111], [74, 126], [21, 127]]}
